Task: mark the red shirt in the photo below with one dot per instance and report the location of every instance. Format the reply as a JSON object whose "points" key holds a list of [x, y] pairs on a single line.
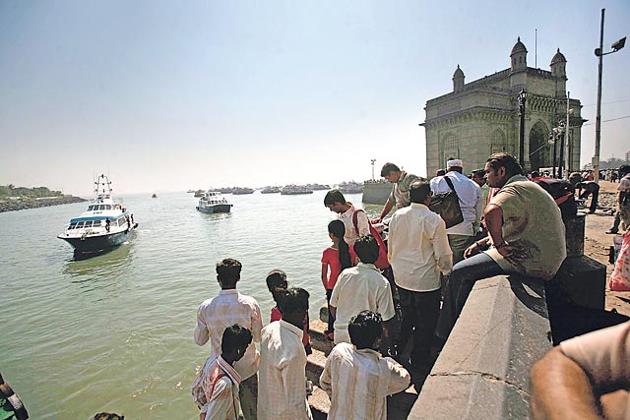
{"points": [[276, 315], [330, 257]]}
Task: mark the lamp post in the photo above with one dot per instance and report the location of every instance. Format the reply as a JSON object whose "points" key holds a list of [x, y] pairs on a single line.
{"points": [[372, 162], [522, 97], [558, 132], [599, 52]]}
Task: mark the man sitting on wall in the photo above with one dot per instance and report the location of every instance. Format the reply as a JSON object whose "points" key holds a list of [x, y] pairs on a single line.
{"points": [[526, 236]]}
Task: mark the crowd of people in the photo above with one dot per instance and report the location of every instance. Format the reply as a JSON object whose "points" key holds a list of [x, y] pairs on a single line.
{"points": [[392, 305]]}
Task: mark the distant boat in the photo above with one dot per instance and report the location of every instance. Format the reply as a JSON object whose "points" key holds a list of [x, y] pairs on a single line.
{"points": [[295, 190], [318, 187], [190, 191], [242, 191], [154, 196], [270, 190], [213, 202], [199, 193], [351, 187], [104, 225]]}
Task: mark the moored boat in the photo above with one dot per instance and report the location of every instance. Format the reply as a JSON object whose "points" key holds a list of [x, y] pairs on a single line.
{"points": [[104, 225], [213, 202], [270, 190], [295, 190]]}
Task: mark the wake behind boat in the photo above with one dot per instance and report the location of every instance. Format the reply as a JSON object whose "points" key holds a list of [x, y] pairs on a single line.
{"points": [[104, 225], [213, 202]]}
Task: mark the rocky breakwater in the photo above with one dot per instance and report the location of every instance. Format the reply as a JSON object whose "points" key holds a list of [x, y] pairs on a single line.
{"points": [[20, 198], [31, 203]]}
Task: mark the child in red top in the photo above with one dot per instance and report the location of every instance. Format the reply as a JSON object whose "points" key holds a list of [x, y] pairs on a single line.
{"points": [[276, 283], [335, 259]]}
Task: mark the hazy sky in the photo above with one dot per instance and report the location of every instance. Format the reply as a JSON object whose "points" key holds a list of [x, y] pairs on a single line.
{"points": [[174, 95]]}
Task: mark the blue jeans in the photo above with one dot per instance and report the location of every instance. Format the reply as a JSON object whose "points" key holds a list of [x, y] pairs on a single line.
{"points": [[460, 282]]}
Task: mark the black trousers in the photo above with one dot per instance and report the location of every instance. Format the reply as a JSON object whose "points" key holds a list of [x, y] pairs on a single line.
{"points": [[331, 318], [420, 314], [595, 196]]}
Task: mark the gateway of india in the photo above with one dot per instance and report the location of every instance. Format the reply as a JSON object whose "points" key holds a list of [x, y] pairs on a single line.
{"points": [[482, 117]]}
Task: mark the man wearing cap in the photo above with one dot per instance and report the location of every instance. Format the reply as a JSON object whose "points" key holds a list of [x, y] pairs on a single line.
{"points": [[461, 236], [400, 194]]}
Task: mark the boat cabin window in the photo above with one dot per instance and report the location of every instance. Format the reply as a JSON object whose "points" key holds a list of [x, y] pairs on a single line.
{"points": [[80, 225], [91, 208], [72, 225], [121, 221]]}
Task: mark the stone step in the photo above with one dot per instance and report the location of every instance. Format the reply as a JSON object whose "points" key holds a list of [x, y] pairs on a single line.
{"points": [[315, 363], [318, 339], [319, 403]]}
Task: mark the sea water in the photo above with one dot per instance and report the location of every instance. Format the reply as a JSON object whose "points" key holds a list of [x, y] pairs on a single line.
{"points": [[115, 332]]}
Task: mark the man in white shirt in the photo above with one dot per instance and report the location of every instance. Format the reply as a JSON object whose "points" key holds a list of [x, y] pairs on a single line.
{"points": [[282, 393], [215, 389], [228, 308], [336, 202], [461, 236], [419, 252], [357, 378], [361, 288]]}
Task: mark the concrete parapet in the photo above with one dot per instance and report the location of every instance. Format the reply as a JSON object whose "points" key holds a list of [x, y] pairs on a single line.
{"points": [[583, 281], [575, 228], [376, 192], [483, 370]]}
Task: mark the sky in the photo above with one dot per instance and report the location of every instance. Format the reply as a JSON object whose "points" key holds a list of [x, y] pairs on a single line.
{"points": [[167, 96]]}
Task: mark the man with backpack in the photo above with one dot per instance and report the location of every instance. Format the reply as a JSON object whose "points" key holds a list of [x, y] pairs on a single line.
{"points": [[355, 220], [462, 235]]}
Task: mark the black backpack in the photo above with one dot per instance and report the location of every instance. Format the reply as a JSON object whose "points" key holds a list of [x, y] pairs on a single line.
{"points": [[563, 194]]}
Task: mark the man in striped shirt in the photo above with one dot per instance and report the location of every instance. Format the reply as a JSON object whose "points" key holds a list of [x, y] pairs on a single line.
{"points": [[357, 378]]}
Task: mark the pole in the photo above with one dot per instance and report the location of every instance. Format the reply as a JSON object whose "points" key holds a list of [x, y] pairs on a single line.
{"points": [[598, 119], [555, 154], [567, 148], [521, 148], [561, 159], [536, 48]]}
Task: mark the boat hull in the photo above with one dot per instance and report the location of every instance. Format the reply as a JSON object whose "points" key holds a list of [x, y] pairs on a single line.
{"points": [[219, 208], [98, 243]]}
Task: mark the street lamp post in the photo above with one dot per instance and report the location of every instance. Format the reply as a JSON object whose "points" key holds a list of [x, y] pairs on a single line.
{"points": [[522, 97], [599, 52]]}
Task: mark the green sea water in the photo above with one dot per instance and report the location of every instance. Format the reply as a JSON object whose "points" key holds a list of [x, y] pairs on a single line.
{"points": [[115, 332]]}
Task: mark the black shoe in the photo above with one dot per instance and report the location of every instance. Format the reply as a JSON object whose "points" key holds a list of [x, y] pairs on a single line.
{"points": [[612, 231]]}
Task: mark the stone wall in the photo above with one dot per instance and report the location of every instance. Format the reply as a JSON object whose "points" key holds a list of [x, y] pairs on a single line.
{"points": [[483, 371]]}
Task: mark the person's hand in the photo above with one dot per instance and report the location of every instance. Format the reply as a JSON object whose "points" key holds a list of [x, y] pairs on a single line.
{"points": [[376, 220], [474, 249]]}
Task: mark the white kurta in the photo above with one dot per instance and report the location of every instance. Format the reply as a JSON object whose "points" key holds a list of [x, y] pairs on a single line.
{"points": [[282, 375], [359, 381], [360, 288], [228, 308]]}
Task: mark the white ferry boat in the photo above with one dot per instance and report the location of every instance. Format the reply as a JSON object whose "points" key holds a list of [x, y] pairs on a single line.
{"points": [[213, 202], [104, 225]]}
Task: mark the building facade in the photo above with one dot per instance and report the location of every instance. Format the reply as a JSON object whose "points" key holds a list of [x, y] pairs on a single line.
{"points": [[482, 117]]}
